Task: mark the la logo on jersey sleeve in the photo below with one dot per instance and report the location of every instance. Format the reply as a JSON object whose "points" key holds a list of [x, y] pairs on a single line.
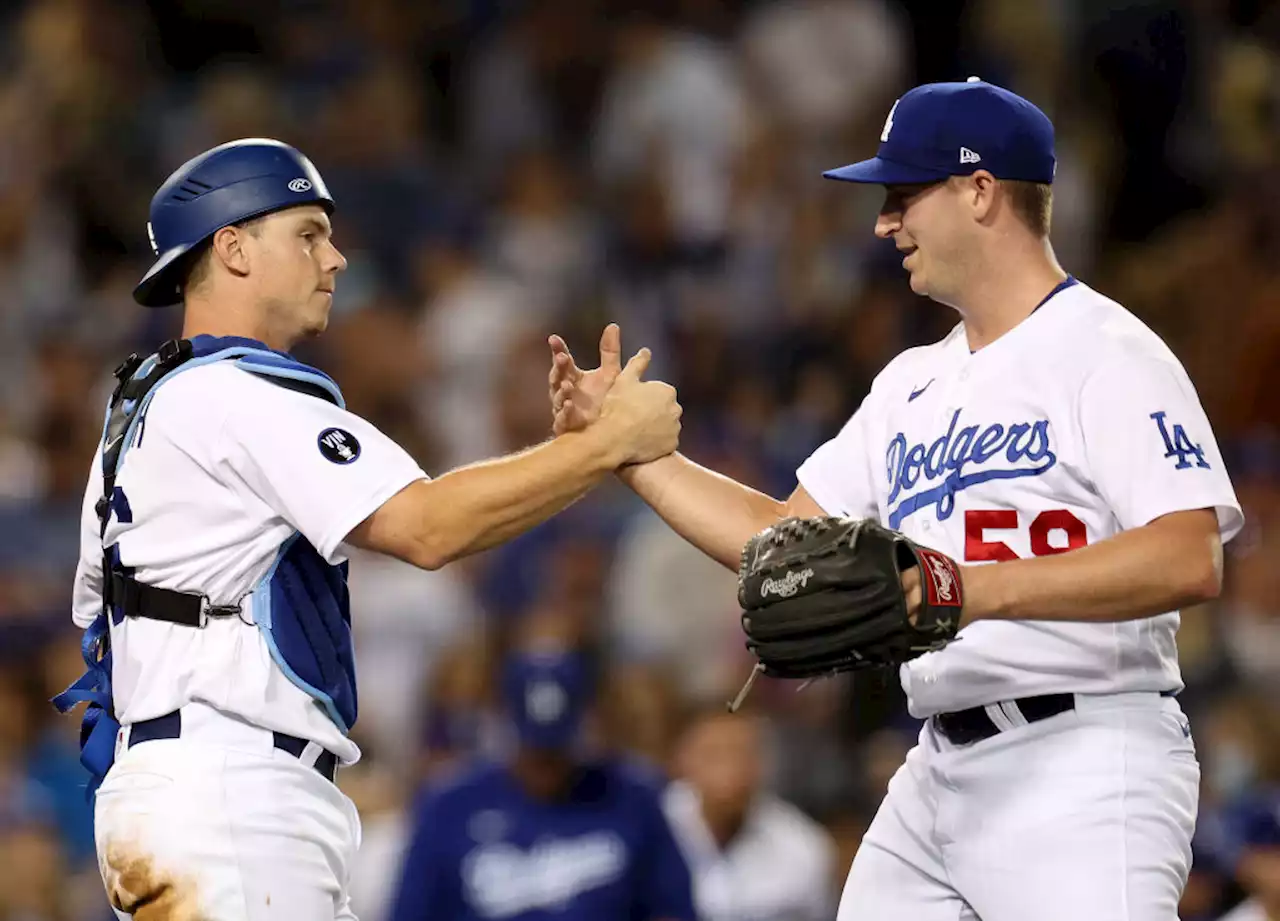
{"points": [[1178, 444]]}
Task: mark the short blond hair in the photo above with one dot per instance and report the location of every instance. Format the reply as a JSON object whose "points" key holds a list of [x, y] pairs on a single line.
{"points": [[1032, 202]]}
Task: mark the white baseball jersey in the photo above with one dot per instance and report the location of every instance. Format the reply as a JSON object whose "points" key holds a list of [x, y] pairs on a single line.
{"points": [[225, 468], [1075, 425], [1248, 910], [779, 865]]}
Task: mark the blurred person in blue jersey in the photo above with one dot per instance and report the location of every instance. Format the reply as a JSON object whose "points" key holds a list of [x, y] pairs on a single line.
{"points": [[554, 830], [1243, 838]]}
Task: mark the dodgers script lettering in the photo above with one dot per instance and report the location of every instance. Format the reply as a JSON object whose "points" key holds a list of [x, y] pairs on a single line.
{"points": [[963, 458]]}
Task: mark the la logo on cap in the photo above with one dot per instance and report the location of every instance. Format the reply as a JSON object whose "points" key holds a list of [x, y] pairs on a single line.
{"points": [[545, 701], [888, 122]]}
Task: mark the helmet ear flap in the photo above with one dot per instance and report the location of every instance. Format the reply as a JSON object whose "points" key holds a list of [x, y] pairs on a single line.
{"points": [[192, 267]]}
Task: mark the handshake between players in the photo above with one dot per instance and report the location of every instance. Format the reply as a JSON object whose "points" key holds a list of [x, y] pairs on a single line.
{"points": [[893, 599], [642, 417]]}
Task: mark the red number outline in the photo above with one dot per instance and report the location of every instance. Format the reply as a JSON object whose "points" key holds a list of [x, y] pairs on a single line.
{"points": [[977, 549]]}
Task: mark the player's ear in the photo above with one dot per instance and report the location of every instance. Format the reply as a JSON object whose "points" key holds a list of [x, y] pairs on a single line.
{"points": [[980, 194], [228, 249]]}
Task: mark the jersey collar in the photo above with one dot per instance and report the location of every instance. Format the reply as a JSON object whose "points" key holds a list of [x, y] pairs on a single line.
{"points": [[205, 344], [1057, 289], [1061, 286]]}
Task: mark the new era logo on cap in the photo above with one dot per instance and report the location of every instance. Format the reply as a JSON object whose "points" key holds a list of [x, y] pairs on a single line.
{"points": [[952, 129]]}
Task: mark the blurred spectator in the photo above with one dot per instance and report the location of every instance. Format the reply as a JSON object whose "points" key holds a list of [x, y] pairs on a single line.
{"points": [[460, 720], [675, 607], [36, 889], [675, 105], [532, 83], [408, 621], [1249, 611], [233, 100], [641, 712], [1249, 842], [379, 165], [53, 759], [1240, 736], [381, 794], [472, 319], [753, 856], [552, 831], [540, 236], [825, 65]]}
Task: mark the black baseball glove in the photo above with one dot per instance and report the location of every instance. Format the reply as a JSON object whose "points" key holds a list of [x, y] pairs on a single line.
{"points": [[824, 595]]}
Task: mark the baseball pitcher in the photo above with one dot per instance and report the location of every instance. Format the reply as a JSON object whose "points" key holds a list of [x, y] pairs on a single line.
{"points": [[1013, 517]]}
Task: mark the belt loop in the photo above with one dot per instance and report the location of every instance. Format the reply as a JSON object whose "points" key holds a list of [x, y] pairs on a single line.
{"points": [[311, 754], [1013, 713], [998, 718]]}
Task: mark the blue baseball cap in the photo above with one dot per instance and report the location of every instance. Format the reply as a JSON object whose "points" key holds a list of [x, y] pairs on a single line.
{"points": [[954, 129], [546, 694]]}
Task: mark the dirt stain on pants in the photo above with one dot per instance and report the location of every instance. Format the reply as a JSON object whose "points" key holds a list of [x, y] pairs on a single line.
{"points": [[136, 886]]}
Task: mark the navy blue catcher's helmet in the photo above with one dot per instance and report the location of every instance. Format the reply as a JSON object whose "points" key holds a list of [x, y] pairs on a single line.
{"points": [[228, 184]]}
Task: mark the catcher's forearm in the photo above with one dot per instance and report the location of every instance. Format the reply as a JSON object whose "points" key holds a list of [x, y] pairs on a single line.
{"points": [[433, 522], [716, 514], [1168, 564]]}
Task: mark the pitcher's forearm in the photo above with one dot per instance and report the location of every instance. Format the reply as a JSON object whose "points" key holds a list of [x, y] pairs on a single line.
{"points": [[716, 514], [1162, 566]]}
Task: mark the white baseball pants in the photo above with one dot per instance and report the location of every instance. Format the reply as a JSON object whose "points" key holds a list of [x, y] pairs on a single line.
{"points": [[219, 825], [1084, 815]]}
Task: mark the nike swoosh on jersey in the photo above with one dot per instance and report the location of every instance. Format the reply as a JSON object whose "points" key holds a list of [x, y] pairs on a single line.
{"points": [[916, 393]]}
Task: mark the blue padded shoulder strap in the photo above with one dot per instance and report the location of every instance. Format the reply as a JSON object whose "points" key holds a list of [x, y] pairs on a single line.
{"points": [[293, 374], [281, 367]]}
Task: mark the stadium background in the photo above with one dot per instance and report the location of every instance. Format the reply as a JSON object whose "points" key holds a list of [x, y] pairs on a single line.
{"points": [[505, 169]]}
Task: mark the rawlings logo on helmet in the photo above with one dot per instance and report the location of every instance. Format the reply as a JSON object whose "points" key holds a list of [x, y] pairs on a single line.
{"points": [[300, 185], [787, 586]]}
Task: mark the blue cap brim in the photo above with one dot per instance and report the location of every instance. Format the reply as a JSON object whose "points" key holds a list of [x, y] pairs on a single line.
{"points": [[556, 737], [885, 172]]}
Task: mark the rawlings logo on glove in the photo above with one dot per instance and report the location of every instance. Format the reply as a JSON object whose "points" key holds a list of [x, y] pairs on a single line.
{"points": [[787, 586], [824, 595], [939, 576]]}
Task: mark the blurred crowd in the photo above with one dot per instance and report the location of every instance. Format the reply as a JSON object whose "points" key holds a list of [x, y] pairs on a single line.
{"points": [[505, 169]]}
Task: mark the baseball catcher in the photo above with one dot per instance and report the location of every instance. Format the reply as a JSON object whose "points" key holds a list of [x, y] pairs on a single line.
{"points": [[825, 595]]}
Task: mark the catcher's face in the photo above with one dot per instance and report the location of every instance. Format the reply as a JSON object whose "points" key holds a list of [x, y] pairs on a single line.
{"points": [[930, 225], [299, 267]]}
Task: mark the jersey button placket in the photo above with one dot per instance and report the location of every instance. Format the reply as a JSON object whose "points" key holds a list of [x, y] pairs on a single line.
{"points": [[954, 398], [955, 393]]}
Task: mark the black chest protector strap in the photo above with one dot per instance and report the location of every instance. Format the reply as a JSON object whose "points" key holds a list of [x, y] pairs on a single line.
{"points": [[136, 377]]}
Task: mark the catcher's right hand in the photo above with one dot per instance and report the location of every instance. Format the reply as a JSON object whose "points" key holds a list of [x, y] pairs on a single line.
{"points": [[824, 595]]}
